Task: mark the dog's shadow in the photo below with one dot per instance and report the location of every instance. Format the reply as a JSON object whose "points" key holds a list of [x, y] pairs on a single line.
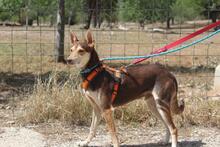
{"points": [[180, 144]]}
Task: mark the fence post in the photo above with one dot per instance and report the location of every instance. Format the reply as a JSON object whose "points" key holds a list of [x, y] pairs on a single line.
{"points": [[59, 53]]}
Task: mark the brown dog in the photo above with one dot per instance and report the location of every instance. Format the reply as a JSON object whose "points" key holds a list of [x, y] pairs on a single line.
{"points": [[156, 84]]}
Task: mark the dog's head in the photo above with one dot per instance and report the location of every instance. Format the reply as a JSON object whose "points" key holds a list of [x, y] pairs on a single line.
{"points": [[80, 52]]}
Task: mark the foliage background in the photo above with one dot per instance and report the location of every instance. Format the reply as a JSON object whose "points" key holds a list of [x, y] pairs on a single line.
{"points": [[112, 10]]}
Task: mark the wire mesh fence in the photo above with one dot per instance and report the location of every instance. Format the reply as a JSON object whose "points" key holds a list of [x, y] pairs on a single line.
{"points": [[29, 44]]}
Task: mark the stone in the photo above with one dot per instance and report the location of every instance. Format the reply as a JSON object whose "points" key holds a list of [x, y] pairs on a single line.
{"points": [[10, 122], [217, 79]]}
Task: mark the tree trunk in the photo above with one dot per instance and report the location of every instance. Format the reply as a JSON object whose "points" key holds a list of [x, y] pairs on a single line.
{"points": [[168, 23], [172, 20], [141, 24], [59, 56], [51, 20], [70, 17], [213, 16], [90, 13], [98, 14], [38, 19]]}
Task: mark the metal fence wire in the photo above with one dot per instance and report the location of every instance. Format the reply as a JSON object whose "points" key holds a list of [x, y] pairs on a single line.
{"points": [[120, 28]]}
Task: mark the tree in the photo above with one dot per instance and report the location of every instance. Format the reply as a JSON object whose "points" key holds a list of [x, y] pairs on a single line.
{"points": [[20, 10], [92, 9], [60, 31], [73, 11], [110, 13], [42, 9], [169, 14], [187, 9], [142, 11], [99, 10], [11, 9], [211, 9]]}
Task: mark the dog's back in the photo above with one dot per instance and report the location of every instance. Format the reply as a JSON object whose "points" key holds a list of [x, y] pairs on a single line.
{"points": [[141, 80]]}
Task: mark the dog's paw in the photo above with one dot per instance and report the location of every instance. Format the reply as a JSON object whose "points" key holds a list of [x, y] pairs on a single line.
{"points": [[82, 143]]}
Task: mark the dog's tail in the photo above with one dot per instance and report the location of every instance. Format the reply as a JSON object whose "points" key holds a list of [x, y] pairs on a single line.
{"points": [[177, 107]]}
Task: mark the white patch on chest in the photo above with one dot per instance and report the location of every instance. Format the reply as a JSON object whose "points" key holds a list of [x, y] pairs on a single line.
{"points": [[95, 95]]}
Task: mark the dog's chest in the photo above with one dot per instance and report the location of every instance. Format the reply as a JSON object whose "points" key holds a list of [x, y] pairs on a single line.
{"points": [[95, 95]]}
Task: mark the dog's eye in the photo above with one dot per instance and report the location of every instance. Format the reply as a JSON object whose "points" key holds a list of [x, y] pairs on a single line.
{"points": [[81, 51]]}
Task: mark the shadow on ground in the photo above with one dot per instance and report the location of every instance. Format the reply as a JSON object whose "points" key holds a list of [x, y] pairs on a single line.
{"points": [[180, 144], [12, 85]]}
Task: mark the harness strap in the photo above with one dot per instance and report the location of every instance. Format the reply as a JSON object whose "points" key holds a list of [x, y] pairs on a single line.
{"points": [[117, 74], [115, 91], [92, 75], [96, 71]]}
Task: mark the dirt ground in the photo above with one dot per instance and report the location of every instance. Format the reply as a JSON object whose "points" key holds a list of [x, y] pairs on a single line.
{"points": [[140, 136], [57, 135]]}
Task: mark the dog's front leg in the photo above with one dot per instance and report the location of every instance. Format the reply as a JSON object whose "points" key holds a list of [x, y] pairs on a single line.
{"points": [[111, 126], [95, 121]]}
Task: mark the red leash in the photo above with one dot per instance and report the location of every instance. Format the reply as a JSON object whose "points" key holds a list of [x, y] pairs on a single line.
{"points": [[180, 41]]}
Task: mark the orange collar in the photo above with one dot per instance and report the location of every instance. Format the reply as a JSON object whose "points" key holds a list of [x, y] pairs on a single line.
{"points": [[92, 75]]}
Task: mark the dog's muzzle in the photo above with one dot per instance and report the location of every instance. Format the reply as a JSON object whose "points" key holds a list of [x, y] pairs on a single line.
{"points": [[72, 61]]}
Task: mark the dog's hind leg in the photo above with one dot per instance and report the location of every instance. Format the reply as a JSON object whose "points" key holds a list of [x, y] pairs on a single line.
{"points": [[152, 107], [167, 118], [162, 98], [96, 117], [107, 114]]}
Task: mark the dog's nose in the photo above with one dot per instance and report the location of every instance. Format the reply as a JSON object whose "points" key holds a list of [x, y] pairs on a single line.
{"points": [[69, 61]]}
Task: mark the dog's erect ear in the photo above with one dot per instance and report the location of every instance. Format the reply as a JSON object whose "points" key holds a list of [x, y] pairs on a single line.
{"points": [[89, 38], [73, 38]]}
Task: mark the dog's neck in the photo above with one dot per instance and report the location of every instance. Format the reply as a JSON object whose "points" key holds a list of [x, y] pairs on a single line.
{"points": [[92, 63], [94, 59]]}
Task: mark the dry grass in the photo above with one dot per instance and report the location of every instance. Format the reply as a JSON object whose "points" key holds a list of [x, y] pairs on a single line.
{"points": [[204, 113], [55, 100]]}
